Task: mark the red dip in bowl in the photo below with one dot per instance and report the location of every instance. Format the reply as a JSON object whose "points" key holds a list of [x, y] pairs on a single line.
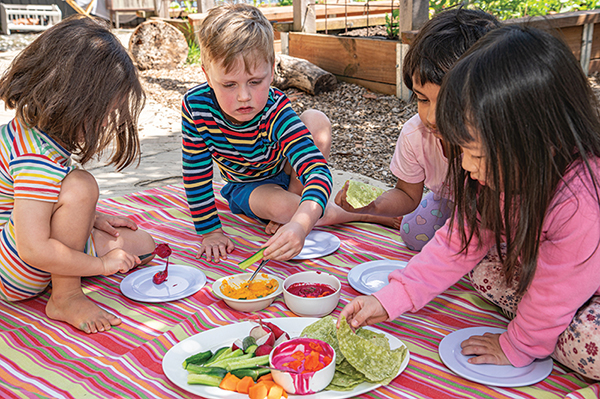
{"points": [[310, 290]]}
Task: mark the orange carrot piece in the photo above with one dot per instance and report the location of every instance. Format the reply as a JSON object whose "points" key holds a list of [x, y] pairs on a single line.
{"points": [[275, 392], [258, 391], [244, 384], [229, 383], [266, 377]]}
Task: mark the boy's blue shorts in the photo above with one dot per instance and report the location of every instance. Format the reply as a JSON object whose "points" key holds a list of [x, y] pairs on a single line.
{"points": [[238, 194]]}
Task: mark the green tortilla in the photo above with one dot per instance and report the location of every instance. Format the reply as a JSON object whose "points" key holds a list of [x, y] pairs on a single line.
{"points": [[344, 382], [361, 194], [377, 363], [325, 330]]}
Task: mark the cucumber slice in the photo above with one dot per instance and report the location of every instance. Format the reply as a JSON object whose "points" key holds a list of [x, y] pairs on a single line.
{"points": [[251, 260]]}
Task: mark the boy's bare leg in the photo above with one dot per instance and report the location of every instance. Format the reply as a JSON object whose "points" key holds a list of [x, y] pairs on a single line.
{"points": [[72, 222], [320, 128]]}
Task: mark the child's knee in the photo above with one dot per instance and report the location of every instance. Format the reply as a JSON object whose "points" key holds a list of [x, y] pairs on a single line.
{"points": [[319, 126], [146, 242], [78, 186]]}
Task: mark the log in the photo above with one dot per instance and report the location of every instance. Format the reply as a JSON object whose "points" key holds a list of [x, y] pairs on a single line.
{"points": [[301, 74], [156, 44]]}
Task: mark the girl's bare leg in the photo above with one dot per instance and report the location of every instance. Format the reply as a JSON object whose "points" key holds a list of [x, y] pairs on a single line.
{"points": [[72, 223]]}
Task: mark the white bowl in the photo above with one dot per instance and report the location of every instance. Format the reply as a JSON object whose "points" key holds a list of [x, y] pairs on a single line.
{"points": [[247, 305], [301, 383], [312, 307]]}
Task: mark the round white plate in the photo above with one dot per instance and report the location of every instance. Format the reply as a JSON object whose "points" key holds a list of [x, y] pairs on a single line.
{"points": [[226, 335], [318, 244], [369, 277], [489, 374], [182, 282]]}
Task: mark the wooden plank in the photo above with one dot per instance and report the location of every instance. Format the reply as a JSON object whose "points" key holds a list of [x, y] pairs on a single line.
{"points": [[357, 21], [572, 36], [596, 42], [561, 20], [373, 86], [594, 66], [285, 13], [361, 58]]}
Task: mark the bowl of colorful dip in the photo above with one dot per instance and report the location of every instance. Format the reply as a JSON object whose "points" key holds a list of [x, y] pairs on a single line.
{"points": [[304, 365], [312, 294], [248, 297]]}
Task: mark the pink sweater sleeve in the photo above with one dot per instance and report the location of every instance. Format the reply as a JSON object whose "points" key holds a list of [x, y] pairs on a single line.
{"points": [[429, 273], [567, 275]]}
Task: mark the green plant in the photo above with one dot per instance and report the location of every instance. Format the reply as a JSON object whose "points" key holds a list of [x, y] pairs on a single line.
{"points": [[391, 24], [193, 53], [506, 9], [284, 2]]}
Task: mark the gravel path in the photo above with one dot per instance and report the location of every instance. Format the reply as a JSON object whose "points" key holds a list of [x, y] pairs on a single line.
{"points": [[365, 125]]}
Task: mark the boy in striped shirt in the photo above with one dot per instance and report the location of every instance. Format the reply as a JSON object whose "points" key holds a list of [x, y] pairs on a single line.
{"points": [[274, 162]]}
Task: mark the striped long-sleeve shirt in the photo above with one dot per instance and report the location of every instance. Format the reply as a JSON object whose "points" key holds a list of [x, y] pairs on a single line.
{"points": [[253, 151]]}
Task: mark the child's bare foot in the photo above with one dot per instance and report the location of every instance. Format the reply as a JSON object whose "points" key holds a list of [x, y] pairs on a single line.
{"points": [[272, 227], [79, 311], [334, 214], [393, 222]]}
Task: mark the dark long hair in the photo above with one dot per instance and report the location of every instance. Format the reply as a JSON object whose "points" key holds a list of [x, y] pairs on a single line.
{"points": [[77, 83], [525, 96], [441, 42]]}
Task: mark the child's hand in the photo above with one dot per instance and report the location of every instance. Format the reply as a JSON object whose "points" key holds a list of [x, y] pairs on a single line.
{"points": [[287, 242], [341, 199], [108, 223], [216, 245], [118, 260], [486, 348], [362, 311]]}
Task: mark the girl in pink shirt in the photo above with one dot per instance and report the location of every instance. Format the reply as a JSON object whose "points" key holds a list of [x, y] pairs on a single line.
{"points": [[419, 159], [523, 129]]}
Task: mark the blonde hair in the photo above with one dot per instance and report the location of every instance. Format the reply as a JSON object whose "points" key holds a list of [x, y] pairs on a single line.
{"points": [[234, 30]]}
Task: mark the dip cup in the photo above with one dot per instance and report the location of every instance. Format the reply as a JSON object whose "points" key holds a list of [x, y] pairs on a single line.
{"points": [[301, 383], [247, 305], [312, 307]]}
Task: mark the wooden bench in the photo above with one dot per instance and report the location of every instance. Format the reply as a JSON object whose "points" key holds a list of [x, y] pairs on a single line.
{"points": [[115, 7]]}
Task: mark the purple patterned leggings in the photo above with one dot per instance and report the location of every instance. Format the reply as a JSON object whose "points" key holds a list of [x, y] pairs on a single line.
{"points": [[418, 227], [577, 347]]}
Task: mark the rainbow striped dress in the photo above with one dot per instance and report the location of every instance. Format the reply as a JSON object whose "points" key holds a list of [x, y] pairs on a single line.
{"points": [[32, 167]]}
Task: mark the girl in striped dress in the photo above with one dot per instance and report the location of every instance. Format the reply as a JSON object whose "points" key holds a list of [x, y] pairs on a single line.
{"points": [[75, 91]]}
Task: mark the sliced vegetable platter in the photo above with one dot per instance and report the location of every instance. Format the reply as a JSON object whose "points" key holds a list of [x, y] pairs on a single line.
{"points": [[226, 335]]}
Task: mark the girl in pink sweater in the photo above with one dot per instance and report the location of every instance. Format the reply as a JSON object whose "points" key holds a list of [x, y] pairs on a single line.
{"points": [[524, 129]]}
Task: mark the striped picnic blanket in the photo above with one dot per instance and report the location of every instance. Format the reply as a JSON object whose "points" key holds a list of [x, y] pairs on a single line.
{"points": [[41, 358]]}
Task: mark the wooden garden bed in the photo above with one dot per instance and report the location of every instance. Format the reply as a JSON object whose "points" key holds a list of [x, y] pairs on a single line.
{"points": [[377, 64]]}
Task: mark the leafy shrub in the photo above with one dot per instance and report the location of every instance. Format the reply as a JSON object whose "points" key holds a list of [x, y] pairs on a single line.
{"points": [[392, 27], [506, 9]]}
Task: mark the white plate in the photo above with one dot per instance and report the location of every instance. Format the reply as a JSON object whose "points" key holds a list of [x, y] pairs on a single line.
{"points": [[318, 244], [222, 336], [182, 282], [489, 374], [369, 277]]}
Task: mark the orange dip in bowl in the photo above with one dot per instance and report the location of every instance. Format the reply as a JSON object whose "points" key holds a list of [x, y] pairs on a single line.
{"points": [[253, 290]]}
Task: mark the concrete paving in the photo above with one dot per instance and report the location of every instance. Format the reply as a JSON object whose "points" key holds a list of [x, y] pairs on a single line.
{"points": [[160, 138]]}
